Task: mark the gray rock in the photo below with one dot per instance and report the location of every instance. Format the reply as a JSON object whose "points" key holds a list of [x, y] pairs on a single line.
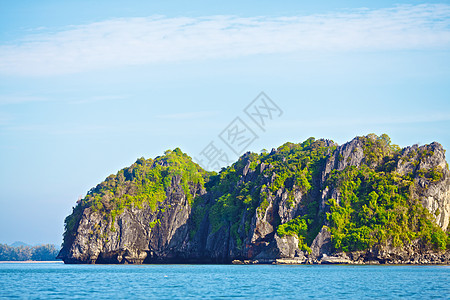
{"points": [[322, 243], [288, 247]]}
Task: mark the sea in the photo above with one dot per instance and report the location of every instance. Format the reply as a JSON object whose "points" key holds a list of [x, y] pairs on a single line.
{"points": [[59, 281]]}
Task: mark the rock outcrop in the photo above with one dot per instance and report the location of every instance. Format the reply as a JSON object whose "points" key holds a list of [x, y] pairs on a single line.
{"points": [[236, 216], [137, 235]]}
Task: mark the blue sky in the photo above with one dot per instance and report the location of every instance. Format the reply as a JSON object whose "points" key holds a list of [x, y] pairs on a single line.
{"points": [[86, 89]]}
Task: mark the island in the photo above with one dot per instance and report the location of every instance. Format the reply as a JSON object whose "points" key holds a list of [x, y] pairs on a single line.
{"points": [[367, 201]]}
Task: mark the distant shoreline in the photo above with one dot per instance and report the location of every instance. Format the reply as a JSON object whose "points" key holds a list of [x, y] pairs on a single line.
{"points": [[30, 261]]}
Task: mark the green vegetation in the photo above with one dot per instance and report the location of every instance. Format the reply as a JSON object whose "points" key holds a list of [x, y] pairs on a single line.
{"points": [[297, 227], [21, 253], [296, 168], [377, 204], [376, 148], [434, 174], [71, 224], [146, 181]]}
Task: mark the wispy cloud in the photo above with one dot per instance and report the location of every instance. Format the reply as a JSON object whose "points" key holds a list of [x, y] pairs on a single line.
{"points": [[15, 99], [5, 118], [136, 41], [187, 115], [102, 98], [349, 121], [66, 129], [21, 99]]}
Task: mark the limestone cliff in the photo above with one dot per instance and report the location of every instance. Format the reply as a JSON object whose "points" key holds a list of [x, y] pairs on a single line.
{"points": [[366, 200]]}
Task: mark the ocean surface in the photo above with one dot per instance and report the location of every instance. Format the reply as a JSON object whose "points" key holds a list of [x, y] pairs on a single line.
{"points": [[56, 280]]}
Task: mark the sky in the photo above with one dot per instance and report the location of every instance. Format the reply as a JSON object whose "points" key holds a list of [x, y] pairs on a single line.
{"points": [[87, 88]]}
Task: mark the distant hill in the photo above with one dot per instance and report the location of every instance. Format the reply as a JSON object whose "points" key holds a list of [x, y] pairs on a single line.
{"points": [[19, 243]]}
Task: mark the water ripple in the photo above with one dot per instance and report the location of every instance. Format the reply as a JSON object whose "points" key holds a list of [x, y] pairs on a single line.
{"points": [[44, 281]]}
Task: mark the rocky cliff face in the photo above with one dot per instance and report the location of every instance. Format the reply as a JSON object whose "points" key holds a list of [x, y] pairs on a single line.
{"points": [[433, 187], [264, 208], [137, 235]]}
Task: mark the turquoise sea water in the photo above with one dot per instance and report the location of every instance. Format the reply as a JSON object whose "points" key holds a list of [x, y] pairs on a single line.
{"points": [[223, 281]]}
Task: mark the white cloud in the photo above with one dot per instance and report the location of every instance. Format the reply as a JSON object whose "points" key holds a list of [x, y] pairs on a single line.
{"points": [[136, 41]]}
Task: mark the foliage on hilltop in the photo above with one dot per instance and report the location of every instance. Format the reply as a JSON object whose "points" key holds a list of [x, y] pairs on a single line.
{"points": [[296, 167], [144, 182], [377, 205]]}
